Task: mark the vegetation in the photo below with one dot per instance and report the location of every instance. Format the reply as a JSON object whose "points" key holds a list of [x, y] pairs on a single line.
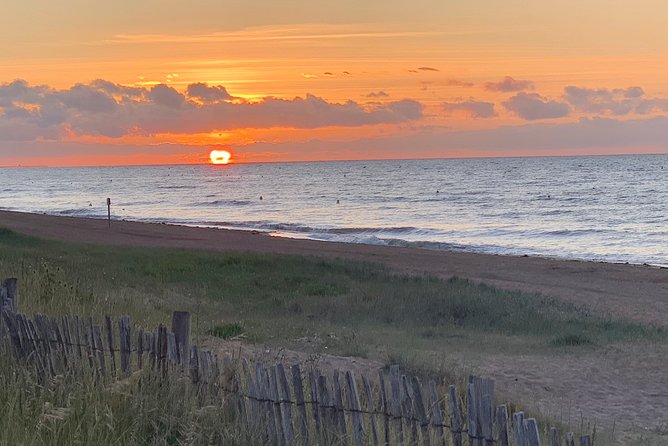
{"points": [[315, 305]]}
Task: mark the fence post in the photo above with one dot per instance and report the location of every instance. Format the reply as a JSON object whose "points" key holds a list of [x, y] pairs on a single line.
{"points": [[371, 408], [124, 333], [358, 427], [181, 330], [518, 425], [340, 413], [315, 405], [502, 422], [455, 424], [286, 403], [554, 437], [10, 295], [386, 408], [570, 440], [396, 402], [471, 412], [298, 387], [110, 342], [531, 429], [437, 420], [420, 411], [407, 409], [585, 440]]}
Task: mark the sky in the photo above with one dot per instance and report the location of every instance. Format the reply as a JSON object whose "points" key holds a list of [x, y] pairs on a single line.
{"points": [[165, 82]]}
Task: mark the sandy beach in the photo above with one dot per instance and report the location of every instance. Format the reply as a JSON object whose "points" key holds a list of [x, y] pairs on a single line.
{"points": [[628, 291]]}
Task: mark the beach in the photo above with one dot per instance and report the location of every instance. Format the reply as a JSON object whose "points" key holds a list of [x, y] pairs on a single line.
{"points": [[635, 292]]}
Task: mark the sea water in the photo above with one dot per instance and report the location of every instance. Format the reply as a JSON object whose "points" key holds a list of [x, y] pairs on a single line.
{"points": [[607, 208]]}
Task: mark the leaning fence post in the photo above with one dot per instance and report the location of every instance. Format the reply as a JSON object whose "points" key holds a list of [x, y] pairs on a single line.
{"points": [[386, 409], [110, 342], [340, 413], [420, 411], [395, 385], [471, 411], [181, 330], [554, 437]]}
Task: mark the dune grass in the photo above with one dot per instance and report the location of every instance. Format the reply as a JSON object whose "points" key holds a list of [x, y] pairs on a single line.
{"points": [[338, 306], [279, 298]]}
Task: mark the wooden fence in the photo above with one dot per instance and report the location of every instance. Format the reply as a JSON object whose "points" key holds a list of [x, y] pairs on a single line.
{"points": [[280, 404]]}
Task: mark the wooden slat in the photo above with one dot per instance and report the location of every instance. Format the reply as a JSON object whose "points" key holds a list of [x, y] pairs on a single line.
{"points": [[298, 386], [125, 342], [585, 440], [531, 430], [356, 408], [518, 428], [99, 347], [315, 405], [407, 408], [371, 408], [285, 399], [502, 425], [110, 344], [554, 437], [395, 384], [385, 408], [487, 420], [275, 398], [437, 419], [338, 403], [455, 417], [421, 411], [471, 413], [570, 439], [327, 409], [181, 330]]}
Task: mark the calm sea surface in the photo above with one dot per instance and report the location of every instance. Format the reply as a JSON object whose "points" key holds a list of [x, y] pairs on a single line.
{"points": [[596, 208]]}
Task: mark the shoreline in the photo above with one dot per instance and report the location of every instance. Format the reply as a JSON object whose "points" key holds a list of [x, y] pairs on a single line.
{"points": [[629, 291]]}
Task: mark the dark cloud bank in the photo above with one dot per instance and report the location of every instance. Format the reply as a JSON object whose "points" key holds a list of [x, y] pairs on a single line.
{"points": [[103, 108]]}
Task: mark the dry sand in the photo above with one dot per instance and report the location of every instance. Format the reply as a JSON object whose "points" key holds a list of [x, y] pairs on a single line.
{"points": [[623, 385]]}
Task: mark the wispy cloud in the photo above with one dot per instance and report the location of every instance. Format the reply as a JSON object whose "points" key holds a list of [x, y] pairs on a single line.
{"points": [[509, 85]]}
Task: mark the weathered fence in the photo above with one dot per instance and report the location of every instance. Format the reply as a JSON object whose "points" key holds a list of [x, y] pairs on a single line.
{"points": [[279, 403]]}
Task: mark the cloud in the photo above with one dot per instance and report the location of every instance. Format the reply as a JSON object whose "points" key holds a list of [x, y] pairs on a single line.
{"points": [[166, 96], [103, 108], [509, 85], [473, 108], [208, 94], [619, 101], [652, 105], [588, 135], [428, 69], [532, 106], [377, 94], [458, 83]]}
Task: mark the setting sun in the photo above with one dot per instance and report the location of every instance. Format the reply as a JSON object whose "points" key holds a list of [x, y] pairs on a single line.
{"points": [[220, 156]]}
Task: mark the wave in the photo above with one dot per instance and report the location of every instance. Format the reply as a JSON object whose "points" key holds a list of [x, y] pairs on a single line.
{"points": [[224, 203]]}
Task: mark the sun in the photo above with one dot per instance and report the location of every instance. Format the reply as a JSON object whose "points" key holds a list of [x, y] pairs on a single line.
{"points": [[220, 156]]}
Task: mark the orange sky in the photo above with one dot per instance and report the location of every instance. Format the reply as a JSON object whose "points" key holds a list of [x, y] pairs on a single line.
{"points": [[165, 82]]}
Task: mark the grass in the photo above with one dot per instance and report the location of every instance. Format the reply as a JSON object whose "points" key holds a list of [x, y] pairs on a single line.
{"points": [[342, 307]]}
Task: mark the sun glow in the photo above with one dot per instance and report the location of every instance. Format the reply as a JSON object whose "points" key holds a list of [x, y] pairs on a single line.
{"points": [[220, 156]]}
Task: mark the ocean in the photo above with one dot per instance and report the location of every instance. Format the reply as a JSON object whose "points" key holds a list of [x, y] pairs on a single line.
{"points": [[605, 208]]}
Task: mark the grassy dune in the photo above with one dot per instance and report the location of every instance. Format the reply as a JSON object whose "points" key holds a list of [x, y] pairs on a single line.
{"points": [[340, 307]]}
